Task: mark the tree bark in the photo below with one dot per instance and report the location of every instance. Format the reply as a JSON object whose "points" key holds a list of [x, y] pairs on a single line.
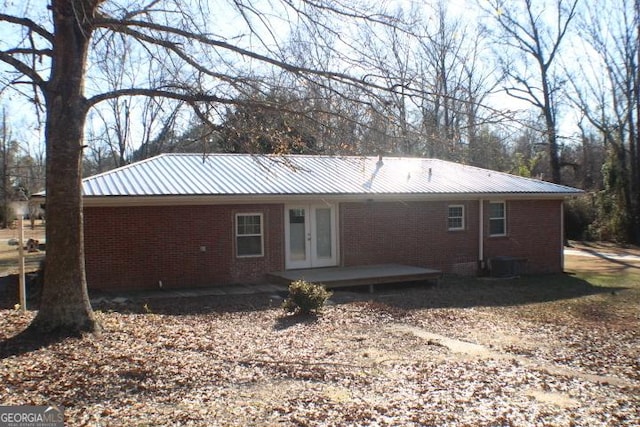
{"points": [[64, 305], [636, 130], [549, 111], [4, 151], [552, 140]]}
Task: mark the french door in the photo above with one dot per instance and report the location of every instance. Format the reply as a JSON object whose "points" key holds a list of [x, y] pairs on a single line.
{"points": [[310, 236]]}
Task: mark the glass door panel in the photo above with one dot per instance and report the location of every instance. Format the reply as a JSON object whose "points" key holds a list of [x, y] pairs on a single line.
{"points": [[310, 236], [323, 233], [297, 235]]}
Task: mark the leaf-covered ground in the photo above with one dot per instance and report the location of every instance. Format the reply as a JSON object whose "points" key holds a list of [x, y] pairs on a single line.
{"points": [[554, 350]]}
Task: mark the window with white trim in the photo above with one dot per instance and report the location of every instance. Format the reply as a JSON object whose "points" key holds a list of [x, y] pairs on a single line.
{"points": [[455, 218], [249, 235], [497, 219]]}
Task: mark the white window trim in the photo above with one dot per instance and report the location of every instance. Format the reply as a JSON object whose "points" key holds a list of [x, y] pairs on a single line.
{"points": [[449, 217], [261, 215], [504, 218]]}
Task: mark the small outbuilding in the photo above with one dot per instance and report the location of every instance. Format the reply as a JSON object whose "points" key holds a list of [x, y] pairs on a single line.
{"points": [[186, 220]]}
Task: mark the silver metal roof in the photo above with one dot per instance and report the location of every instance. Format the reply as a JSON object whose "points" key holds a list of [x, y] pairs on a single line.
{"points": [[294, 175]]}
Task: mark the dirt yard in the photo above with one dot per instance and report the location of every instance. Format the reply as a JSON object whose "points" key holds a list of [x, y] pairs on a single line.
{"points": [[9, 248], [559, 350]]}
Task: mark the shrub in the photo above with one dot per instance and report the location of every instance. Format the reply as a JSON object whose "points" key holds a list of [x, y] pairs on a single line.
{"points": [[305, 297], [580, 215]]}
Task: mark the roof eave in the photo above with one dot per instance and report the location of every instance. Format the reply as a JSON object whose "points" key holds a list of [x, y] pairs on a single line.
{"points": [[193, 200]]}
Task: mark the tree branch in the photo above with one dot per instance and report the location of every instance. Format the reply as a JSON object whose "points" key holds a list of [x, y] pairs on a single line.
{"points": [[562, 29], [119, 25], [161, 92], [144, 10], [512, 92], [175, 48], [29, 51], [23, 68], [511, 27], [346, 11], [28, 23]]}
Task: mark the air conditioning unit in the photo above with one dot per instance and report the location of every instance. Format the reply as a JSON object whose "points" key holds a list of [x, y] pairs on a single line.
{"points": [[506, 266]]}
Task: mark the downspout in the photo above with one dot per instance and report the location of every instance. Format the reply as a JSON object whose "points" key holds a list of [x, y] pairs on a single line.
{"points": [[481, 235], [562, 236]]}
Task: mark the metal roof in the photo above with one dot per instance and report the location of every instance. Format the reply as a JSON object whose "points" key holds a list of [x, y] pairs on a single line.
{"points": [[295, 175]]}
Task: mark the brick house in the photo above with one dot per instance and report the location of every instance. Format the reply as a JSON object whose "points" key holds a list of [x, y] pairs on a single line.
{"points": [[191, 220]]}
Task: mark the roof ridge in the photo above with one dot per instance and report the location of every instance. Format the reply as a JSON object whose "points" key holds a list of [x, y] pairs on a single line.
{"points": [[124, 167], [339, 156]]}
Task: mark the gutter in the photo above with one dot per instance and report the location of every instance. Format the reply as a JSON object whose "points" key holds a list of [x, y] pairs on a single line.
{"points": [[186, 200], [481, 265]]}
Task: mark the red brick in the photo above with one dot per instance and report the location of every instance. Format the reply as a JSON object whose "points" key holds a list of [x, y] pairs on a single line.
{"points": [[416, 233], [136, 247]]}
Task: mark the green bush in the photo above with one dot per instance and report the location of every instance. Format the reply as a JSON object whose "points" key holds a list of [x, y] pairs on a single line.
{"points": [[305, 297], [580, 215]]}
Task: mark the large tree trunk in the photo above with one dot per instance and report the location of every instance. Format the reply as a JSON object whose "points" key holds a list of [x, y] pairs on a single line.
{"points": [[636, 169], [550, 123], [4, 178], [64, 303], [554, 155]]}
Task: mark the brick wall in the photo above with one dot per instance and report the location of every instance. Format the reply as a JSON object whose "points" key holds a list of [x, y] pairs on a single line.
{"points": [[416, 233], [139, 246], [533, 232], [136, 247], [413, 233]]}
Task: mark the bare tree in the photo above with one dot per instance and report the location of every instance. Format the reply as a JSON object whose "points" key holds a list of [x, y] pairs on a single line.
{"points": [[530, 34], [130, 121], [479, 79], [438, 60], [390, 53], [204, 69], [5, 177], [604, 88], [97, 155], [158, 119], [441, 63]]}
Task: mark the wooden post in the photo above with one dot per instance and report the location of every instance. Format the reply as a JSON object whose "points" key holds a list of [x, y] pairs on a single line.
{"points": [[23, 290]]}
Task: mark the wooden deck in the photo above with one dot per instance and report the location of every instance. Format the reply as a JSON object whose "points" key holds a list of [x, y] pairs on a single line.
{"points": [[333, 277]]}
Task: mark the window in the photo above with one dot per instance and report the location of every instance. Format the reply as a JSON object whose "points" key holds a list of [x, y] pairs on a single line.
{"points": [[497, 219], [455, 219], [249, 241]]}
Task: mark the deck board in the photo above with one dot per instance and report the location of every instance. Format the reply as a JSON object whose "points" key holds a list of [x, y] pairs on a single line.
{"points": [[357, 275]]}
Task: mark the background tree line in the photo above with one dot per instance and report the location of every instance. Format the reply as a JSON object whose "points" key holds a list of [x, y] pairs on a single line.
{"points": [[22, 173]]}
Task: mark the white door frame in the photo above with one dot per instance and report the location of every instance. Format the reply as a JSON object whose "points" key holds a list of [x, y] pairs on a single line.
{"points": [[311, 257]]}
